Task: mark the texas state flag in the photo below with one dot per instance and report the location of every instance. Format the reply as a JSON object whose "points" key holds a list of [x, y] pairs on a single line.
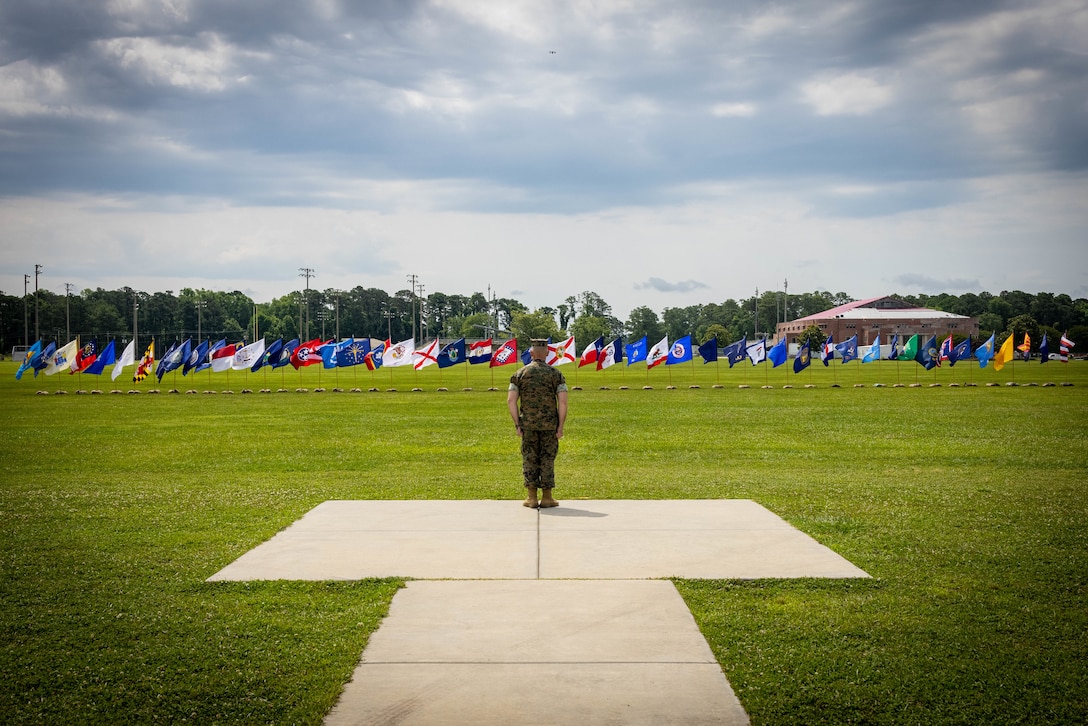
{"points": [[591, 352]]}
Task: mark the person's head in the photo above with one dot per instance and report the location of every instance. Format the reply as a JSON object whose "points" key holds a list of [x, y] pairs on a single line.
{"points": [[538, 349]]}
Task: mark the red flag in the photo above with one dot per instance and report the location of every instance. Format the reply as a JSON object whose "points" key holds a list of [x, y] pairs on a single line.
{"points": [[146, 363], [591, 352], [85, 356], [506, 353], [307, 354]]}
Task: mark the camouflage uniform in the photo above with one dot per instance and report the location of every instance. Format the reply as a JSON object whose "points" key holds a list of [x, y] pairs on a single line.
{"points": [[537, 385]]}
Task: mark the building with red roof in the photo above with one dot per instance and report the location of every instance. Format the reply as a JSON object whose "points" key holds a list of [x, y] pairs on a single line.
{"points": [[884, 316]]}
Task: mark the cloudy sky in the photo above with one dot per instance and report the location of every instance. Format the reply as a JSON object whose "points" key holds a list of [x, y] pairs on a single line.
{"points": [[659, 153]]}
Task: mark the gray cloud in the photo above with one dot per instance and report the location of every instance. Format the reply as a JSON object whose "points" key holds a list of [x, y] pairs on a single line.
{"points": [[928, 284], [656, 283]]}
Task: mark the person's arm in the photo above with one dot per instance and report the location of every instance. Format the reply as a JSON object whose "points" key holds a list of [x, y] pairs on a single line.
{"points": [[561, 401], [512, 406]]}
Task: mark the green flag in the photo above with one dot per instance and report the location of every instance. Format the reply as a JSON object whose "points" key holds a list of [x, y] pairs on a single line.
{"points": [[911, 348]]}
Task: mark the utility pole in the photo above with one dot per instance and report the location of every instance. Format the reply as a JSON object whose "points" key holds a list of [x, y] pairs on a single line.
{"points": [[26, 310], [412, 279], [337, 318], [135, 324], [37, 326], [68, 310], [786, 300], [200, 304], [389, 322], [755, 302], [306, 272]]}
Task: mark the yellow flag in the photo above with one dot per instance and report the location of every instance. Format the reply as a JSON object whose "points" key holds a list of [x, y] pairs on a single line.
{"points": [[1004, 355]]}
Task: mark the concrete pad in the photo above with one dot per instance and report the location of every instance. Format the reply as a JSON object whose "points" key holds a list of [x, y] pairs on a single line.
{"points": [[592, 539], [538, 652], [350, 540], [711, 539]]}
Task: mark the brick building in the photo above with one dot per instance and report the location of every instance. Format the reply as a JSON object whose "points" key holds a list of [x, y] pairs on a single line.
{"points": [[884, 316]]}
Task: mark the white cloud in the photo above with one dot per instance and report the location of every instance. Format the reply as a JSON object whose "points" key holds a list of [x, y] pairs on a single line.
{"points": [[735, 110], [847, 94]]}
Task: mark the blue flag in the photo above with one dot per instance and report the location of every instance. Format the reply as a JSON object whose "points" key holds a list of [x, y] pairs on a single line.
{"points": [[283, 356], [352, 352], [736, 352], [928, 355], [827, 353], [206, 362], [985, 352], [874, 351], [778, 354], [1044, 350], [680, 351], [961, 350], [28, 360], [269, 353], [709, 350], [893, 354], [174, 358], [41, 360], [803, 359], [848, 349], [452, 354], [197, 357], [108, 356], [636, 351]]}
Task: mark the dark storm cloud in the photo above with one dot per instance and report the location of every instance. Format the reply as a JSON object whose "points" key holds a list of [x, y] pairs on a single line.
{"points": [[288, 102]]}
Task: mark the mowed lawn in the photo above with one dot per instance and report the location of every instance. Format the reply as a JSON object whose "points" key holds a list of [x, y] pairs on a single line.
{"points": [[966, 503]]}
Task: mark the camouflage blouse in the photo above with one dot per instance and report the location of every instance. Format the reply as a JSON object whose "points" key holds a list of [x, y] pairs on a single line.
{"points": [[537, 385]]}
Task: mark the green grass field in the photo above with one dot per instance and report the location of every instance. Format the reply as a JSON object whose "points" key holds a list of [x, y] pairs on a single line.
{"points": [[967, 504]]}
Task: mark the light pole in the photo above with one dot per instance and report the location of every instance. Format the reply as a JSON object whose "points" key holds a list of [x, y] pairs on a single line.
{"points": [[200, 305], [306, 272], [37, 327], [26, 310]]}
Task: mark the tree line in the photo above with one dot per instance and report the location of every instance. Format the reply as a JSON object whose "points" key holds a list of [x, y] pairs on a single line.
{"points": [[373, 312]]}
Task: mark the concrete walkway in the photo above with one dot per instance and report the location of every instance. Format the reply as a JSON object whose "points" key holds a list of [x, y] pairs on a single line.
{"points": [[545, 616]]}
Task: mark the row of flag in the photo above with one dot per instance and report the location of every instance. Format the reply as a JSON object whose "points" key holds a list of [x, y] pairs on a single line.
{"points": [[375, 353]]}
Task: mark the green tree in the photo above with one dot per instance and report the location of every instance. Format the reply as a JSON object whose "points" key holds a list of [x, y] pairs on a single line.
{"points": [[644, 321], [715, 330], [1025, 324], [990, 321], [813, 335], [537, 324], [587, 328]]}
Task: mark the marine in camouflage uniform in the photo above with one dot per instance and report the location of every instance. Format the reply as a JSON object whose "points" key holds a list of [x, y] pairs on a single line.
{"points": [[542, 393]]}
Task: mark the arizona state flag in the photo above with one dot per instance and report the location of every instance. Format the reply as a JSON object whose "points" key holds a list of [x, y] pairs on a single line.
{"points": [[146, 363]]}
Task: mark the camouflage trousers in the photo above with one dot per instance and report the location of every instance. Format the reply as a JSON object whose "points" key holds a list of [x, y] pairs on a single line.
{"points": [[538, 451]]}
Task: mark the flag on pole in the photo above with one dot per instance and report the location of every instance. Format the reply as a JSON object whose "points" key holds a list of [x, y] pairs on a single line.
{"points": [[283, 356], [103, 359], [946, 349], [28, 359], [803, 359], [610, 355], [985, 352], [910, 350], [452, 354], [893, 351], [174, 359], [505, 354], [480, 352], [146, 363], [708, 351], [735, 352], [1025, 347], [591, 352], [244, 358], [428, 356], [41, 360], [270, 354], [1064, 346], [222, 357], [399, 354], [561, 353], [1004, 355], [373, 359], [757, 351], [778, 353], [62, 358], [827, 353], [680, 351], [128, 357], [205, 362], [658, 354], [848, 349], [927, 354], [85, 356], [960, 351], [636, 351], [873, 353]]}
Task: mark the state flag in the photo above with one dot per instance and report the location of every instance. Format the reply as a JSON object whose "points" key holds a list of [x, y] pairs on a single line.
{"points": [[757, 352], [680, 351], [128, 357], [270, 354], [107, 357], [174, 359], [399, 354], [780, 352], [736, 352], [244, 358], [848, 349], [62, 358], [803, 359], [427, 356], [610, 355], [373, 359], [1004, 355], [222, 358], [28, 360], [985, 352], [505, 354], [562, 352], [928, 355], [1065, 345], [636, 351], [85, 356], [960, 351], [873, 353], [283, 356], [591, 352], [452, 354], [42, 359], [1044, 350], [893, 351], [709, 350], [658, 354], [946, 349], [143, 370], [479, 352]]}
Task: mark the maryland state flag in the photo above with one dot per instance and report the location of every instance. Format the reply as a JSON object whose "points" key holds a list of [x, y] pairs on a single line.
{"points": [[146, 363]]}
